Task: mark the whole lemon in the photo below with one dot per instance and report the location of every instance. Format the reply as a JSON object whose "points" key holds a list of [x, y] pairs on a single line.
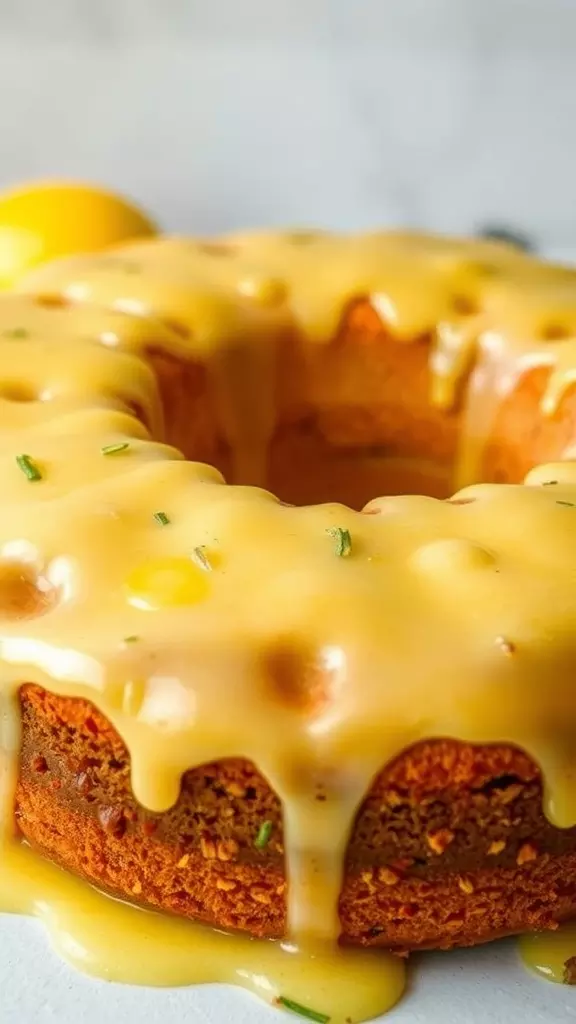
{"points": [[39, 222]]}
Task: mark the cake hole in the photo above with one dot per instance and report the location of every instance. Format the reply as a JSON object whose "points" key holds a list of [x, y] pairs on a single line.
{"points": [[25, 594], [51, 301], [555, 332]]}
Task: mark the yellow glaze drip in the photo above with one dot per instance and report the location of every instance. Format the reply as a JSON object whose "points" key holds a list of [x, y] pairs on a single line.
{"points": [[227, 575], [118, 942]]}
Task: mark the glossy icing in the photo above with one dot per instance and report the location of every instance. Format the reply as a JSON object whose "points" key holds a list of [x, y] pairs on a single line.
{"points": [[119, 537]]}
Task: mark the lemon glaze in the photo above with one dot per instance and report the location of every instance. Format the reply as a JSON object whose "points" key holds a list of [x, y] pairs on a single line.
{"points": [[118, 537]]}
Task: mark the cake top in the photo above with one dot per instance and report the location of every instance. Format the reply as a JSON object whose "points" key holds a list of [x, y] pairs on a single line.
{"points": [[208, 621], [468, 296], [362, 633]]}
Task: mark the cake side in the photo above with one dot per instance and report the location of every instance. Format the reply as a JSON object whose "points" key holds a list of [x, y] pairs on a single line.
{"points": [[450, 846]]}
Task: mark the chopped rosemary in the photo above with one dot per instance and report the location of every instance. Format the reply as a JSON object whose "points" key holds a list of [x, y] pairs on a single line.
{"points": [[343, 540], [15, 332], [569, 504], [29, 468], [263, 837], [131, 639], [114, 449], [161, 518], [303, 1011], [201, 558]]}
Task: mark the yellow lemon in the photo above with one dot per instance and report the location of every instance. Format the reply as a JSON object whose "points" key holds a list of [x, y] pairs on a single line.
{"points": [[40, 222]]}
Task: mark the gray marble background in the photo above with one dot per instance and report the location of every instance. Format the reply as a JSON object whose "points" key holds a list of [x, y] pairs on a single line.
{"points": [[223, 113]]}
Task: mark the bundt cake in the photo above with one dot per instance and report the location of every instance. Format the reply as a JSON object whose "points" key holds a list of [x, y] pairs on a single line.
{"points": [[273, 715]]}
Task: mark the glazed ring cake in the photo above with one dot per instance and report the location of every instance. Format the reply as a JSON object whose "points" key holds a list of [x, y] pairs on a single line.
{"points": [[288, 716]]}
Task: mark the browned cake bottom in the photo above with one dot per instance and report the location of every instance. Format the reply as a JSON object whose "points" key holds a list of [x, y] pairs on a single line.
{"points": [[451, 846]]}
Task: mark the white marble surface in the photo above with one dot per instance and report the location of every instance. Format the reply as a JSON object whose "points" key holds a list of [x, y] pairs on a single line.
{"points": [[441, 113], [483, 986]]}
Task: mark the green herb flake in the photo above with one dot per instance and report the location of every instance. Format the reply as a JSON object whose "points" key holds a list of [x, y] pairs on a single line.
{"points": [[343, 541], [29, 468], [161, 518], [569, 504], [303, 1011], [549, 483], [114, 449], [131, 639], [263, 837], [201, 558], [16, 332]]}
